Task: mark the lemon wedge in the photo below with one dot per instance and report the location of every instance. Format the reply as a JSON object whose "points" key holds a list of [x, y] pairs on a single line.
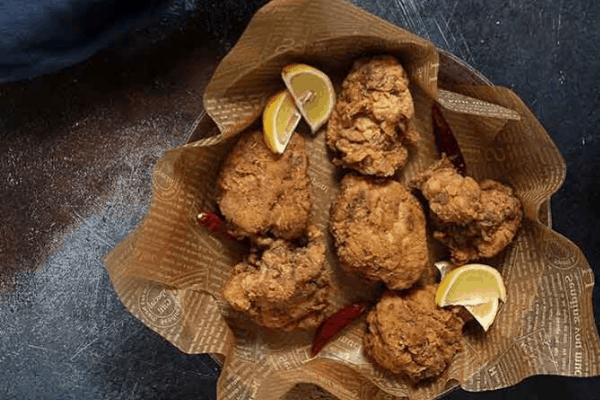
{"points": [[312, 92], [470, 285], [444, 267], [484, 313], [280, 118]]}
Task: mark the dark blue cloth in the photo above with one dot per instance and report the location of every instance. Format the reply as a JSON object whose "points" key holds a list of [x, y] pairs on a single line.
{"points": [[44, 36]]}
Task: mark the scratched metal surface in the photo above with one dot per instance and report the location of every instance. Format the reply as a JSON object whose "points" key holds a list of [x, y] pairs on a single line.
{"points": [[77, 149]]}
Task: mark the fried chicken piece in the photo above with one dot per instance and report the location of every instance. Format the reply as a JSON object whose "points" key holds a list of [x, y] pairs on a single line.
{"points": [[265, 194], [286, 288], [409, 335], [372, 119], [379, 231], [474, 220]]}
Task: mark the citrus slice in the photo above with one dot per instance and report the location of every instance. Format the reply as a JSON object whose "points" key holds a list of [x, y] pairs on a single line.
{"points": [[280, 118], [443, 267], [312, 92], [484, 313], [470, 285]]}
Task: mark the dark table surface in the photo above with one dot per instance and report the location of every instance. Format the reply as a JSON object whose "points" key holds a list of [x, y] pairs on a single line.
{"points": [[78, 146]]}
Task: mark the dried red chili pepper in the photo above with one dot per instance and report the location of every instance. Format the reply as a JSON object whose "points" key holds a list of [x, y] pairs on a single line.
{"points": [[213, 222], [335, 323], [446, 142]]}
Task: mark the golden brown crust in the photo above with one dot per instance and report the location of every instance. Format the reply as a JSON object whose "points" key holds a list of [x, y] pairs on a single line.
{"points": [[474, 220], [379, 231], [264, 194], [409, 335], [372, 120], [286, 288]]}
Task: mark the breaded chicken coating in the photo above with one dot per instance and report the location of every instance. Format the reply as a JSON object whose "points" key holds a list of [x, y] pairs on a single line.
{"points": [[474, 220], [265, 194], [286, 288], [372, 121], [409, 335], [379, 231]]}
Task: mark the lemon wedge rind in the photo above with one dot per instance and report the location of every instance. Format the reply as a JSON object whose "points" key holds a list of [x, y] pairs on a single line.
{"points": [[280, 119], [312, 92]]}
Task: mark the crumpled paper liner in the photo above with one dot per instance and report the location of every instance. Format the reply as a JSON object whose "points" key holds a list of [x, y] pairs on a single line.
{"points": [[169, 271]]}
